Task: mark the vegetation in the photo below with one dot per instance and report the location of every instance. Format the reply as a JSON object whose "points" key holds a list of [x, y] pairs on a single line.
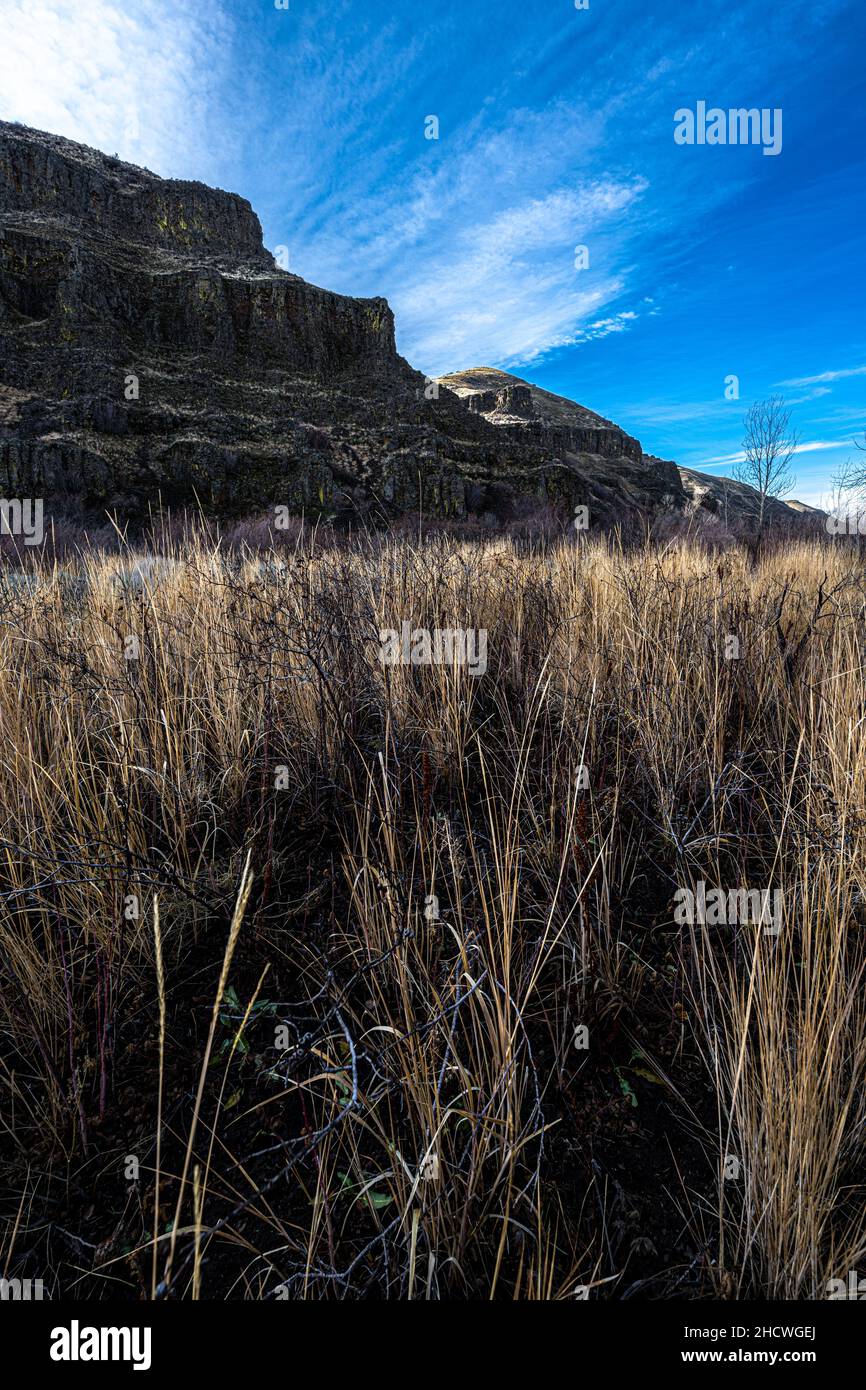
{"points": [[769, 445], [325, 979]]}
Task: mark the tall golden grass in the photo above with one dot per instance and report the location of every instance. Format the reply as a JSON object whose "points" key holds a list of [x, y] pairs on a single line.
{"points": [[311, 939]]}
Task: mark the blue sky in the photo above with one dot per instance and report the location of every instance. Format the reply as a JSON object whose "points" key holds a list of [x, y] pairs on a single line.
{"points": [[556, 130]]}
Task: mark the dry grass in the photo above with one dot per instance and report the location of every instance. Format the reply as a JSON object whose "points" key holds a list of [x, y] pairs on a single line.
{"points": [[303, 1081]]}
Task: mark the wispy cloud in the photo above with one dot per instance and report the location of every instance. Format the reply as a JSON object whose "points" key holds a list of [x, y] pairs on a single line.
{"points": [[677, 412], [475, 244], [136, 80], [844, 415], [811, 447], [508, 291], [822, 377], [813, 395]]}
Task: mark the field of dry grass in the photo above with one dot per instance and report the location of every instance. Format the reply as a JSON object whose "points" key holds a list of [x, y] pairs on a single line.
{"points": [[325, 979]]}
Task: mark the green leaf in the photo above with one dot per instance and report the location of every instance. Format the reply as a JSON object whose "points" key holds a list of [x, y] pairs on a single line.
{"points": [[626, 1089], [649, 1076]]}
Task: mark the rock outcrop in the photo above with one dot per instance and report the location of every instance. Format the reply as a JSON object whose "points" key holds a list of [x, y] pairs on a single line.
{"points": [[151, 351], [736, 506], [606, 468]]}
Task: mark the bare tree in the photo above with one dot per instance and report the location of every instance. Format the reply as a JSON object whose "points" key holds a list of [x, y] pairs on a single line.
{"points": [[852, 474], [769, 444], [848, 505]]}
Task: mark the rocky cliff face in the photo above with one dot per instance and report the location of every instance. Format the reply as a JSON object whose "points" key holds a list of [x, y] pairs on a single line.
{"points": [[606, 468], [736, 505], [151, 349], [149, 346]]}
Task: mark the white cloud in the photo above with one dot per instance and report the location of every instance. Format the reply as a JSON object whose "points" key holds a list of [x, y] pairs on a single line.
{"points": [[824, 376], [812, 447], [135, 80], [474, 242], [843, 415], [617, 323], [508, 291], [679, 412], [812, 395]]}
